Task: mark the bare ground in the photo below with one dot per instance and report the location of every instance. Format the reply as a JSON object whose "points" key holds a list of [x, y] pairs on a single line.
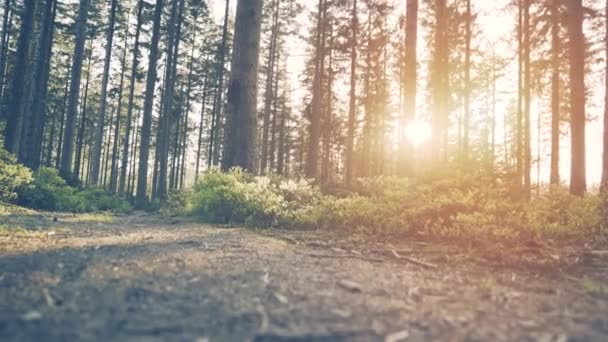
{"points": [[145, 278]]}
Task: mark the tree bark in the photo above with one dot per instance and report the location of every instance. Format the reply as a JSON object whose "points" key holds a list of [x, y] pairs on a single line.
{"points": [[604, 186], [68, 139], [133, 81], [555, 92], [18, 99], [34, 129], [578, 179], [146, 128], [352, 105], [312, 160], [241, 128], [103, 98], [218, 105]]}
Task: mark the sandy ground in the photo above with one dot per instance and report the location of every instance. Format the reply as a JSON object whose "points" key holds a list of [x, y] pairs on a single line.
{"points": [[145, 278]]}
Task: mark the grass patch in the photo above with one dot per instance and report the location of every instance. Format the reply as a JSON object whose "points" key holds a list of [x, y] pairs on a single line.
{"points": [[6, 230], [90, 218], [593, 287]]}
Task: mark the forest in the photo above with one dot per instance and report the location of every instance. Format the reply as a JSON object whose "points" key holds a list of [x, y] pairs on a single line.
{"points": [[322, 170]]}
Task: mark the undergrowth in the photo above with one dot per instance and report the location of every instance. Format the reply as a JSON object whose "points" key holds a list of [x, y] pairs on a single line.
{"points": [[471, 207]]}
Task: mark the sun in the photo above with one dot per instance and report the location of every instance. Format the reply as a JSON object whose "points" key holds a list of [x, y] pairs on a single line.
{"points": [[418, 132]]}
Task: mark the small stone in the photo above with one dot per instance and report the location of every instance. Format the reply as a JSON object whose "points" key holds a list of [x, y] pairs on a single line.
{"points": [[32, 316], [350, 285]]}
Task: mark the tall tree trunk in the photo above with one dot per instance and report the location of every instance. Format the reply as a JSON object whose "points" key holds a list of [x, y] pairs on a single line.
{"points": [[555, 92], [146, 128], [352, 105], [200, 128], [520, 90], [218, 104], [114, 167], [312, 161], [103, 98], [411, 68], [63, 115], [467, 84], [241, 125], [6, 34], [268, 96], [440, 81], [133, 81], [34, 129], [68, 139], [578, 179], [168, 115], [83, 115], [19, 87], [527, 101], [604, 186]]}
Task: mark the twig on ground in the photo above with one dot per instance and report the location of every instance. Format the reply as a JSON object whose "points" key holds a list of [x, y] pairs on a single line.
{"points": [[414, 261]]}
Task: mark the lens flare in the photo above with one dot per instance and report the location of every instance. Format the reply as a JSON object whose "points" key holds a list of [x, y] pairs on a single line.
{"points": [[418, 132]]}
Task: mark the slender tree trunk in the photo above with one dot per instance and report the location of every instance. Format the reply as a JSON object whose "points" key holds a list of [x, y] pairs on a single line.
{"points": [[312, 161], [133, 81], [411, 69], [604, 187], [218, 104], [6, 34], [62, 120], [146, 128], [555, 92], [273, 122], [200, 128], [520, 90], [103, 98], [68, 139], [241, 126], [352, 106], [168, 116], [19, 87], [578, 179], [114, 168], [269, 83], [467, 84], [106, 151], [527, 102], [282, 136], [83, 115]]}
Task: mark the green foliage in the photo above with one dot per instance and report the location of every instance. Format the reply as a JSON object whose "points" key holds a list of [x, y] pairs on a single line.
{"points": [[49, 191], [240, 198], [470, 206], [12, 176]]}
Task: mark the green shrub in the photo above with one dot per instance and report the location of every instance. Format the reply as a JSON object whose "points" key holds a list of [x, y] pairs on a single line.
{"points": [[12, 176], [49, 191], [471, 206]]}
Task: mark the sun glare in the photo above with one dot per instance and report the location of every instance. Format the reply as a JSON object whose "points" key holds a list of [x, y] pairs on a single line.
{"points": [[418, 132]]}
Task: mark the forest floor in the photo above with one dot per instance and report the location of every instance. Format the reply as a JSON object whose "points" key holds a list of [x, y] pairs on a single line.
{"points": [[142, 277]]}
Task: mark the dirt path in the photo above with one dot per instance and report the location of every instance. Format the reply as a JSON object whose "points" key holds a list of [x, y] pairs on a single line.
{"points": [[144, 279]]}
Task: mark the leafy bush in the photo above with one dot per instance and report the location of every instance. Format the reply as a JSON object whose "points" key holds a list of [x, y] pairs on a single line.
{"points": [[241, 198], [49, 191], [12, 176], [470, 206]]}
